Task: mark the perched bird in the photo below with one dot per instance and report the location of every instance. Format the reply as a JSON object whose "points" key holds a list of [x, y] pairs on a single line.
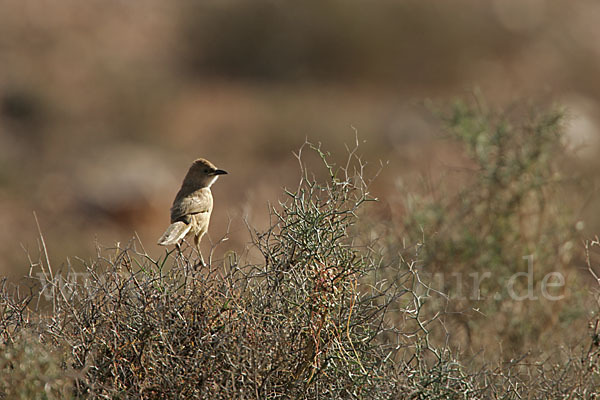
{"points": [[193, 204]]}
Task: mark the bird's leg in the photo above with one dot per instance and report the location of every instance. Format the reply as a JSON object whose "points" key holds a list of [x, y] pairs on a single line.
{"points": [[197, 243], [178, 246]]}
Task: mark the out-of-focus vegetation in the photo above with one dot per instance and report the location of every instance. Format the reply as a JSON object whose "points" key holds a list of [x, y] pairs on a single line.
{"points": [[510, 215]]}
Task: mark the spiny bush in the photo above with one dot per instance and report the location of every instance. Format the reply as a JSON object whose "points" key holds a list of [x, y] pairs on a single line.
{"points": [[326, 313], [310, 321]]}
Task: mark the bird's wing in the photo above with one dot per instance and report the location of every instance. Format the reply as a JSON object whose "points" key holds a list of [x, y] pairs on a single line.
{"points": [[200, 202], [174, 233]]}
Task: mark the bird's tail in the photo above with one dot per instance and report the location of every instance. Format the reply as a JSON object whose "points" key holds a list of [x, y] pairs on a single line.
{"points": [[174, 233]]}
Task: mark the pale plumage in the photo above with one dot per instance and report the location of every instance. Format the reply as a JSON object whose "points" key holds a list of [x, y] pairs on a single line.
{"points": [[174, 233], [190, 213]]}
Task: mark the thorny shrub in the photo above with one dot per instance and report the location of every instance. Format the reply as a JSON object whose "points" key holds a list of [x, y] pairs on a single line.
{"points": [[326, 314], [307, 322]]}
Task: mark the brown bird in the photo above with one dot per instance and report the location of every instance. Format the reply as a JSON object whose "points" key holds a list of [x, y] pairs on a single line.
{"points": [[193, 205]]}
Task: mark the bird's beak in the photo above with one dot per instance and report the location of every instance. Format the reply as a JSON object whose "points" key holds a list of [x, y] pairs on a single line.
{"points": [[219, 172]]}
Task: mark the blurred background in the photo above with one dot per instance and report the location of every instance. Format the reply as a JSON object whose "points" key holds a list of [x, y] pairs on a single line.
{"points": [[104, 104]]}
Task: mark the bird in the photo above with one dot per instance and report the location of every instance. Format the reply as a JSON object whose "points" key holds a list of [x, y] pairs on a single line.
{"points": [[193, 204]]}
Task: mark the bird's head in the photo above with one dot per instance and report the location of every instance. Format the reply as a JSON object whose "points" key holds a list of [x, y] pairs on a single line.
{"points": [[202, 174]]}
